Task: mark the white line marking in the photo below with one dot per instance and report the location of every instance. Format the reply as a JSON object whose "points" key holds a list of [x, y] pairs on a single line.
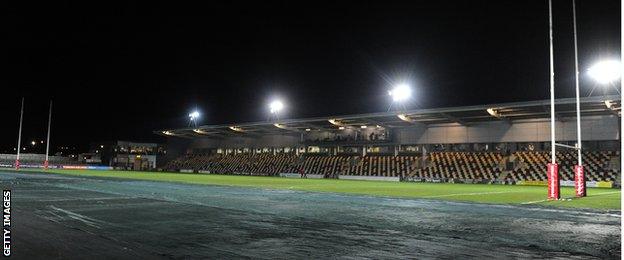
{"points": [[82, 218], [532, 202], [593, 195], [604, 193], [470, 194], [85, 199], [43, 190], [566, 210]]}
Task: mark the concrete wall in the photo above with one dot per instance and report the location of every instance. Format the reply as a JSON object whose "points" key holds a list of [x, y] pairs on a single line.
{"points": [[247, 141], [592, 129]]}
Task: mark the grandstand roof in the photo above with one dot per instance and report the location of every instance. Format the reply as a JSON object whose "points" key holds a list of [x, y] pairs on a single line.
{"points": [[466, 115]]}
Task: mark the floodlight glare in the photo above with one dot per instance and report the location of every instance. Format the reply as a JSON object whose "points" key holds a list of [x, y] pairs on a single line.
{"points": [[194, 115], [605, 72], [400, 93], [276, 106]]}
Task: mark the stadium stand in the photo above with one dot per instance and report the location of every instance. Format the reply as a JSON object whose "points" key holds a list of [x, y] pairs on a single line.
{"points": [[502, 143], [484, 166]]}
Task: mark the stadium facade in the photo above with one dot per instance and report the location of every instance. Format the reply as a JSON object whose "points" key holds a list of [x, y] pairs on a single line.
{"points": [[123, 155], [429, 139]]}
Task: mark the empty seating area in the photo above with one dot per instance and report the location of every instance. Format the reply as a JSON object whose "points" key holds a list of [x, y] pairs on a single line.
{"points": [[380, 166], [251, 164], [386, 166], [237, 164], [527, 165], [189, 161], [597, 165], [326, 165], [462, 165]]}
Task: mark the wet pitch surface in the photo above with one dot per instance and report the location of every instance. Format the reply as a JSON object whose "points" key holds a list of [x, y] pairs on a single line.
{"points": [[61, 217]]}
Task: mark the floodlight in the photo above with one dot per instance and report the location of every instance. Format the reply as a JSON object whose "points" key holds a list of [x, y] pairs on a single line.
{"points": [[493, 112], [199, 131], [280, 126], [400, 92], [236, 128], [605, 72], [334, 122], [609, 104], [405, 118], [194, 115], [276, 106]]}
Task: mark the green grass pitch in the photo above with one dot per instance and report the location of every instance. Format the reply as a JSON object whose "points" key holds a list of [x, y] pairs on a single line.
{"points": [[598, 198]]}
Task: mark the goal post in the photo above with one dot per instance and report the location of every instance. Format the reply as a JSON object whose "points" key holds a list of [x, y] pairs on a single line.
{"points": [[553, 168]]}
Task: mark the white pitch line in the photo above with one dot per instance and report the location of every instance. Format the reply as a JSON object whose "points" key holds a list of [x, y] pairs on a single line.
{"points": [[595, 195], [604, 193], [470, 194], [532, 202], [41, 190], [560, 210], [84, 199], [82, 218]]}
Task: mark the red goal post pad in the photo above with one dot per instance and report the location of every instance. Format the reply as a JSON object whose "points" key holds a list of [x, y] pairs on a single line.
{"points": [[553, 181], [579, 181]]}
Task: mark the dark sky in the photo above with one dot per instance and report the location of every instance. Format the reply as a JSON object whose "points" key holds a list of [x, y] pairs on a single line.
{"points": [[120, 71]]}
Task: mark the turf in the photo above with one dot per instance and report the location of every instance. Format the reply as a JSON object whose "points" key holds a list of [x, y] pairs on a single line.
{"points": [[598, 198]]}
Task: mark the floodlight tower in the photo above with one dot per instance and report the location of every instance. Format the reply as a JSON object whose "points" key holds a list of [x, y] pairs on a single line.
{"points": [[193, 117]]}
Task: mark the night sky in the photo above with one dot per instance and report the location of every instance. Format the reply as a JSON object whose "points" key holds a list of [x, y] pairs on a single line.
{"points": [[120, 71]]}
